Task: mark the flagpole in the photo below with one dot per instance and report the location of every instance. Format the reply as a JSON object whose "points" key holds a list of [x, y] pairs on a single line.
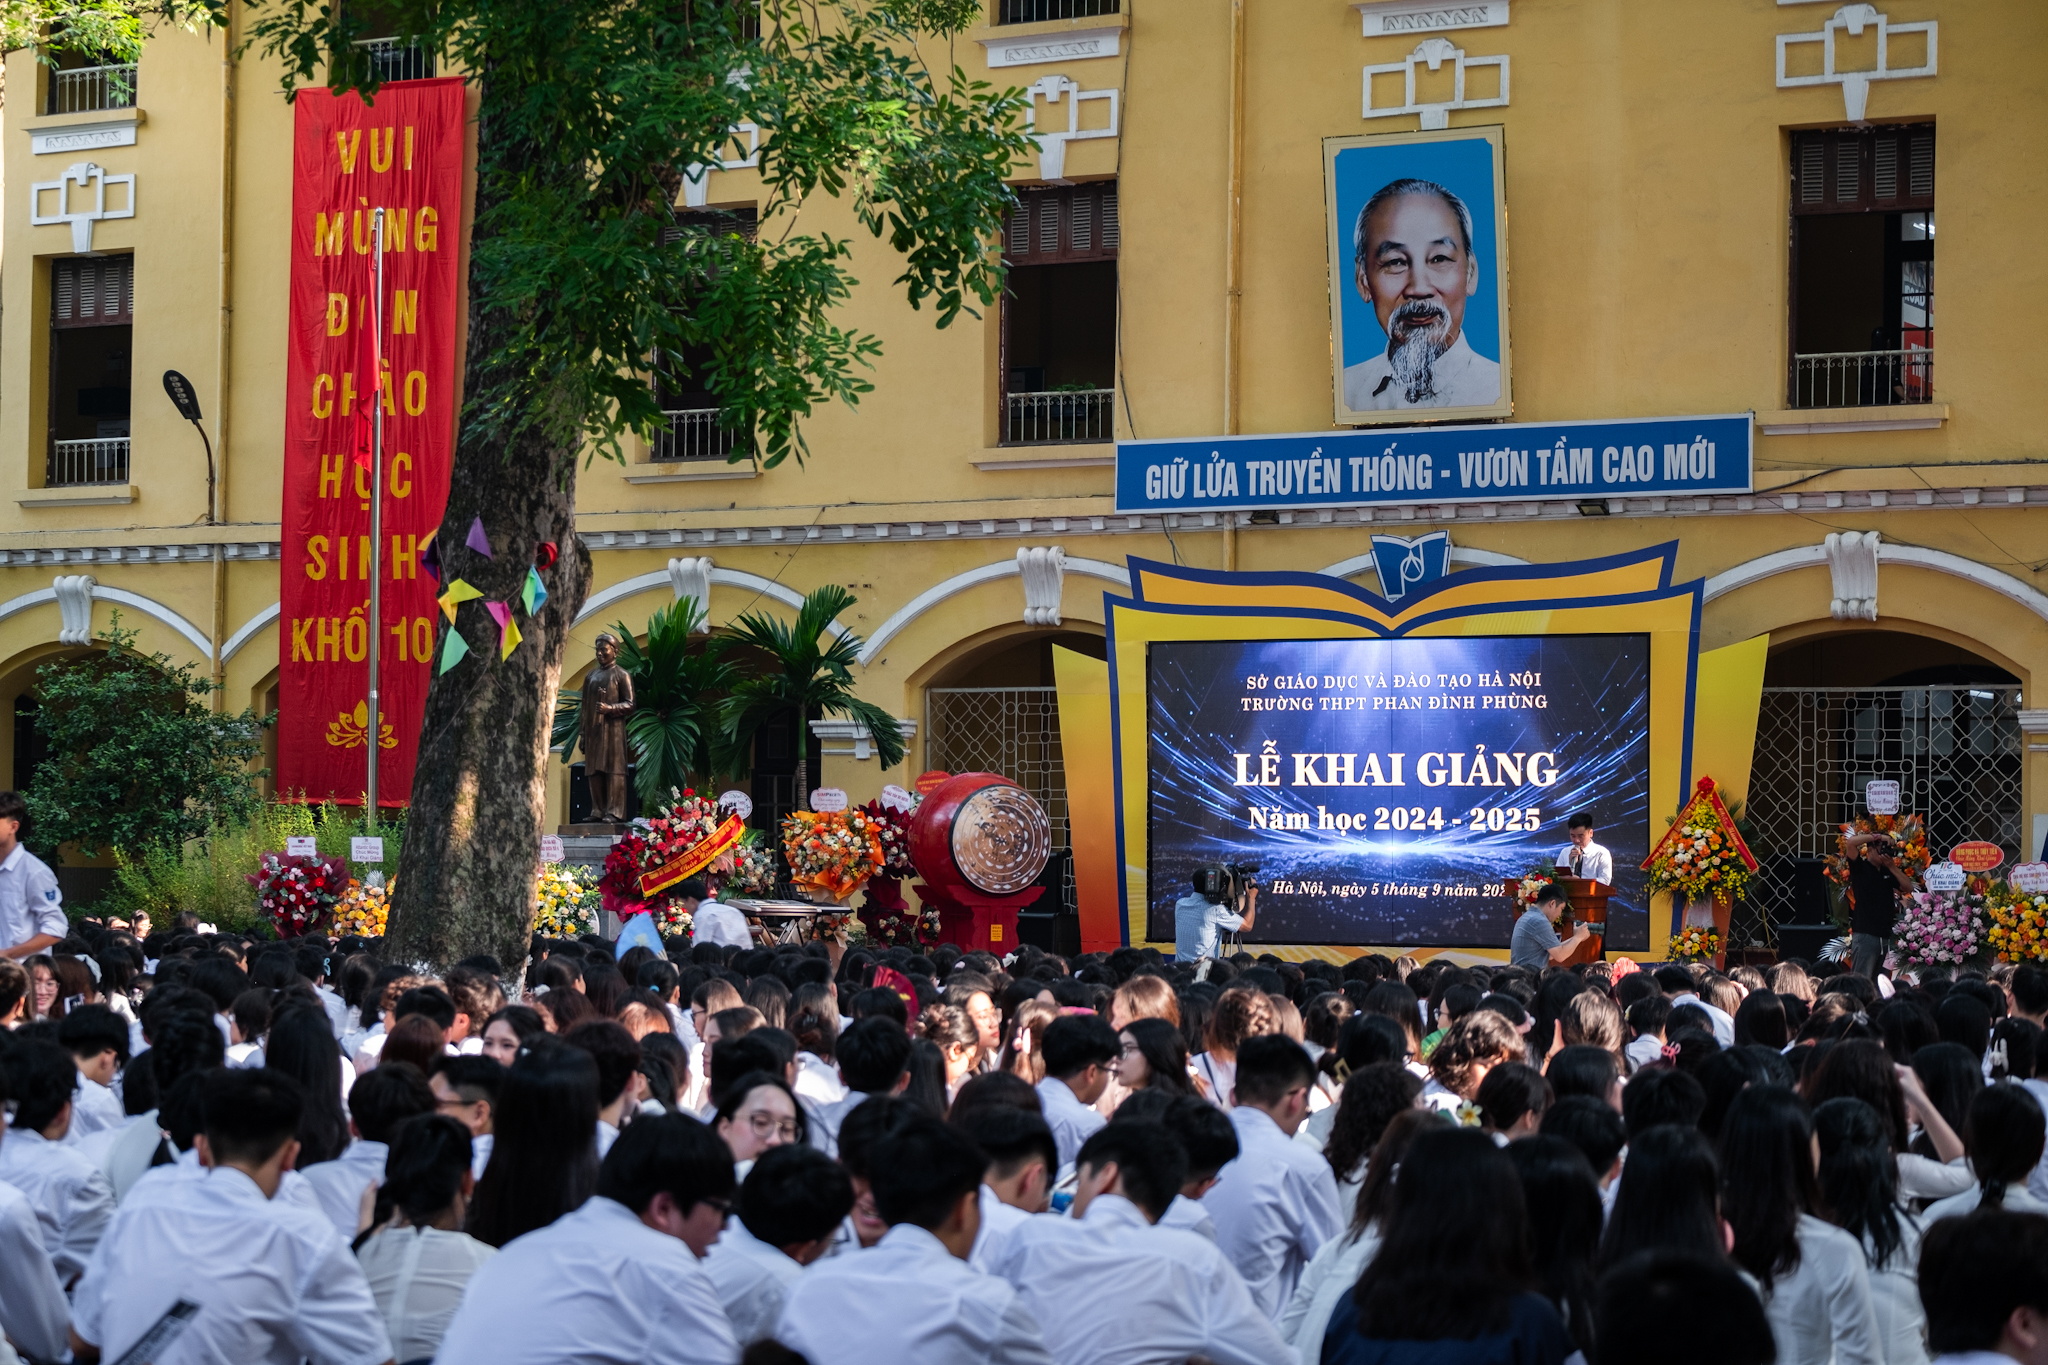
{"points": [[376, 399]]}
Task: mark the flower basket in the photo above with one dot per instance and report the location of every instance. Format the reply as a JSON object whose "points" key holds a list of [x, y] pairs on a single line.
{"points": [[1702, 857], [831, 853], [687, 836], [566, 901], [362, 910], [296, 894], [1531, 885], [1696, 943], [1938, 929], [2018, 929]]}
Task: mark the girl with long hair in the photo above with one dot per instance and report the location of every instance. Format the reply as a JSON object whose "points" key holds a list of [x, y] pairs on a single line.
{"points": [[1812, 1276], [415, 1254], [1563, 1199], [2006, 1127], [1860, 1068], [1153, 1056], [544, 1156], [1668, 1199], [301, 1044], [1859, 1193]]}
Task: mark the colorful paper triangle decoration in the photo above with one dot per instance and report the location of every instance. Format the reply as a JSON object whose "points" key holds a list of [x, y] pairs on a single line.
{"points": [[534, 593], [430, 556], [458, 592], [454, 650], [478, 541], [508, 629]]}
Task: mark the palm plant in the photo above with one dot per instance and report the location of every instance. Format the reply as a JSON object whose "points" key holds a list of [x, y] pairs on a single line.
{"points": [[802, 672], [676, 691]]}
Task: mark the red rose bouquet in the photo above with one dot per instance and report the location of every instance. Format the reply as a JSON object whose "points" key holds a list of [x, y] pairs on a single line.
{"points": [[298, 893]]}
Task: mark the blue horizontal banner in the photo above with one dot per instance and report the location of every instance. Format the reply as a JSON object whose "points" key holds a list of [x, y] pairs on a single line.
{"points": [[1609, 458]]}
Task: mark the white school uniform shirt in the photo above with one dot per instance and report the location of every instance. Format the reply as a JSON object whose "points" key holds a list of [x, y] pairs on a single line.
{"points": [[32, 1307], [71, 1196], [339, 1184], [30, 902], [1895, 1297], [95, 1108], [1071, 1121], [273, 1281], [1274, 1206], [1109, 1288], [1722, 1020], [1188, 1215], [1823, 1311], [750, 1278], [596, 1286], [906, 1301], [1330, 1276], [337, 1010], [1592, 861], [716, 922], [607, 1134], [417, 1276], [818, 1080], [998, 1221], [480, 1145], [2017, 1200], [824, 1132]]}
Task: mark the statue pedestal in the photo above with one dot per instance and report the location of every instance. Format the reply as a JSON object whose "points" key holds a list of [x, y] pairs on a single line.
{"points": [[591, 830]]}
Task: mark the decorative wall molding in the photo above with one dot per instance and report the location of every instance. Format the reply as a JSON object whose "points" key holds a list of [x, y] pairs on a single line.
{"points": [[692, 578], [1044, 571], [1853, 19], [251, 628], [83, 137], [1397, 18], [1852, 565], [132, 554], [972, 578], [1910, 556], [82, 174], [120, 597], [74, 608], [1036, 49], [858, 742], [1433, 53], [1052, 146], [604, 599]]}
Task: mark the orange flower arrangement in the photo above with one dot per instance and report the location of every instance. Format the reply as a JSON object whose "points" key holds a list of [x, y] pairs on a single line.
{"points": [[2019, 925], [831, 853], [1702, 856]]}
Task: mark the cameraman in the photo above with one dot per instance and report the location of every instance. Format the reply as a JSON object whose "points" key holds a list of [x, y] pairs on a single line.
{"points": [[1875, 883], [1200, 916]]}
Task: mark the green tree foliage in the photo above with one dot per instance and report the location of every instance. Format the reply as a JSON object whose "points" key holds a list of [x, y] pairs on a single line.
{"points": [[594, 112], [797, 671], [138, 759], [676, 690], [107, 31]]}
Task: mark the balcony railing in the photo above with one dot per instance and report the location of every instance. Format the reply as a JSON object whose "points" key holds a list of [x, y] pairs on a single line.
{"points": [[84, 89], [1036, 11], [694, 434], [396, 59], [1056, 416], [76, 464], [1863, 379]]}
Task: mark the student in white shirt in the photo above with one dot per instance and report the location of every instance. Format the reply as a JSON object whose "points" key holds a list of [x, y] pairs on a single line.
{"points": [[2007, 1130], [1859, 1188], [620, 1086], [790, 1206], [416, 1256], [874, 1059], [97, 1039], [71, 1196], [274, 1282], [1078, 1049], [913, 1299], [1677, 984], [33, 1313], [1205, 1135], [31, 907], [1276, 1204], [1018, 1183], [1108, 1285], [377, 1103], [466, 1090], [1984, 1282], [710, 921], [618, 1281]]}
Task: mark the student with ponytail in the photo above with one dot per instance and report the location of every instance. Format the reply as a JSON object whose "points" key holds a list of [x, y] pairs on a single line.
{"points": [[2006, 1129]]}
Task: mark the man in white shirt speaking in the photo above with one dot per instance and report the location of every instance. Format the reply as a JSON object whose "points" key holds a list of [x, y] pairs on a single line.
{"points": [[912, 1299], [1582, 856], [711, 922], [791, 1204], [1110, 1286], [1276, 1204], [617, 1282], [212, 1257]]}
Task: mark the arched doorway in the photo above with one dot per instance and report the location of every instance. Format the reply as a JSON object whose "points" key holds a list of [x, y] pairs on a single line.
{"points": [[1841, 709]]}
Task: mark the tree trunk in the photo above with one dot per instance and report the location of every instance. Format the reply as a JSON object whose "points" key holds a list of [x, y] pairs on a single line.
{"points": [[465, 881]]}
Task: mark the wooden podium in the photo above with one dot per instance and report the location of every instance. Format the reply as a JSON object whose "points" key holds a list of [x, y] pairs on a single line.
{"points": [[1589, 907]]}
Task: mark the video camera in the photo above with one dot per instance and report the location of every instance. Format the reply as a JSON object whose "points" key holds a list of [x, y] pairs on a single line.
{"points": [[1226, 881]]}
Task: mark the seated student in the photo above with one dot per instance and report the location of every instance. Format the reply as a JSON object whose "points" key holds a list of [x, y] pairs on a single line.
{"points": [[1018, 1183], [1984, 1284], [377, 1103], [33, 1313], [1595, 1129], [874, 1059], [1277, 1203], [1079, 1049], [616, 1282], [620, 1086], [1647, 1019], [248, 1021], [466, 1090], [913, 1297], [2007, 1132], [1205, 1134], [71, 1197], [1648, 1309], [97, 1039], [416, 1256], [790, 1206], [1585, 1070], [1109, 1285], [273, 1280]]}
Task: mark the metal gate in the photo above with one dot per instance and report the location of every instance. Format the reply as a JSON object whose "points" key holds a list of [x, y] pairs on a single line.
{"points": [[1014, 731], [1955, 752]]}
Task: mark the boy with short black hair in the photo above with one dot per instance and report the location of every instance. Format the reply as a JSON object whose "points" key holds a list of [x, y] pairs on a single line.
{"points": [[377, 1103], [33, 1313], [618, 1279], [71, 1196], [1078, 1050], [1018, 1183], [620, 1086], [914, 1286], [874, 1059], [97, 1039], [1205, 1134], [273, 1280], [466, 1089], [1984, 1284], [790, 1206]]}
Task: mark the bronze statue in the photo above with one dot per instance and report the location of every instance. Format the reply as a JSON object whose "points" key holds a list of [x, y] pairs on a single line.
{"points": [[607, 701]]}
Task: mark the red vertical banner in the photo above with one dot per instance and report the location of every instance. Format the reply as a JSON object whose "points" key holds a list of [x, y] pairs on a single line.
{"points": [[403, 155]]}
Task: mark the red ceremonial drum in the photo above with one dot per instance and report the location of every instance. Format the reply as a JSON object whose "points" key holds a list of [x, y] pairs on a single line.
{"points": [[980, 842]]}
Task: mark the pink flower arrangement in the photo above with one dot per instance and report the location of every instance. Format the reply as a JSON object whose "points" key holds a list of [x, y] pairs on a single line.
{"points": [[1938, 929]]}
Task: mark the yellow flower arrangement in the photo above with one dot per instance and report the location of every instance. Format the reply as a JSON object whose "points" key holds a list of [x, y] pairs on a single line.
{"points": [[362, 910], [1695, 943], [566, 899], [2019, 925], [1702, 856]]}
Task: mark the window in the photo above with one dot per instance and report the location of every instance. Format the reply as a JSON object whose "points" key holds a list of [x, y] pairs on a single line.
{"points": [[82, 83], [693, 431], [1863, 267], [1036, 11], [92, 306], [1059, 315]]}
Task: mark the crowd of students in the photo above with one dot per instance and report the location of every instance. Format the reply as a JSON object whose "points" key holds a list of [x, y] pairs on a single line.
{"points": [[219, 1150]]}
